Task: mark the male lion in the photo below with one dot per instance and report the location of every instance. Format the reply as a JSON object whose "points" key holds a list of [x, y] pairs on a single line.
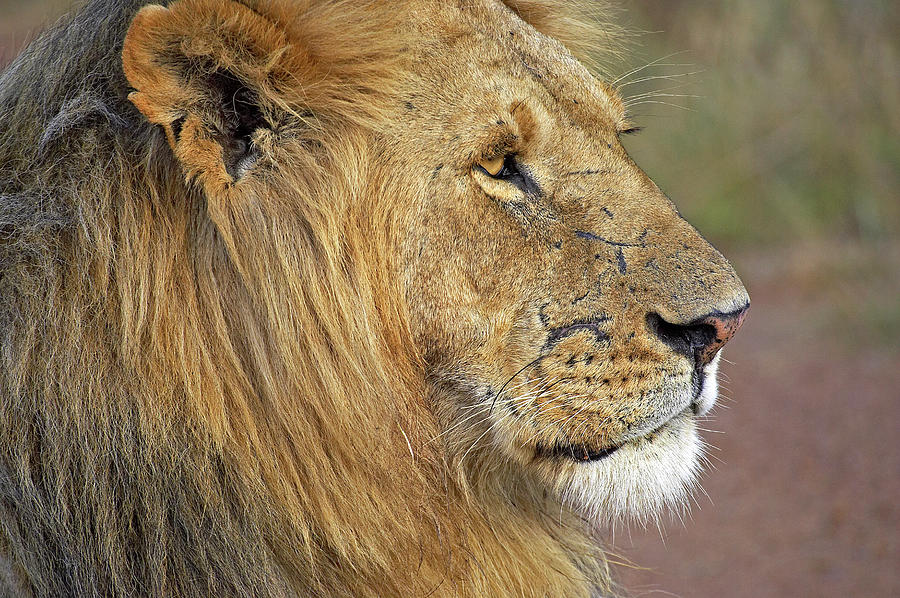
{"points": [[336, 298]]}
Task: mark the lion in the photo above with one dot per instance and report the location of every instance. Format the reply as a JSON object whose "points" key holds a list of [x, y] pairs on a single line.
{"points": [[338, 299]]}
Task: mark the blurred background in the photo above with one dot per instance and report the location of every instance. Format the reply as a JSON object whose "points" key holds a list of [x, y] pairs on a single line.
{"points": [[783, 148], [775, 127]]}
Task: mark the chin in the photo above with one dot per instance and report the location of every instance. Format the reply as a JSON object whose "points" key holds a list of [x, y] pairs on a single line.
{"points": [[641, 479]]}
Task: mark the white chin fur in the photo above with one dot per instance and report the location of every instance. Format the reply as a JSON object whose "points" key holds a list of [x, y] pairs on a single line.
{"points": [[640, 479], [710, 389]]}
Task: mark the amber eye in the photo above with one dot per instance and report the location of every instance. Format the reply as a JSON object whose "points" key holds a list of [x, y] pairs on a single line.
{"points": [[500, 167], [508, 170], [493, 166]]}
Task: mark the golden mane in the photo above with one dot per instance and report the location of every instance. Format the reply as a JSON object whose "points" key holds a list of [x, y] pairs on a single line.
{"points": [[194, 375], [587, 28]]}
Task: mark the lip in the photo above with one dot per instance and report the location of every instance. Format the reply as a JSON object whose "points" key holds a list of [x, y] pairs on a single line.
{"points": [[580, 453], [699, 381]]}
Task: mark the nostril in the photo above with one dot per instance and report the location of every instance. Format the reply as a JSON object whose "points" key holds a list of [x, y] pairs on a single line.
{"points": [[700, 339], [684, 339]]}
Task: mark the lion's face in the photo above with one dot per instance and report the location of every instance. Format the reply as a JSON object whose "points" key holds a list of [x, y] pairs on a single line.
{"points": [[569, 318]]}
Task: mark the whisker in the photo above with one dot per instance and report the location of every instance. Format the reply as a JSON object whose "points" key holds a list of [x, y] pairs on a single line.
{"points": [[457, 425], [635, 100], [560, 426], [648, 65], [655, 77], [681, 85], [657, 102], [524, 367], [711, 431], [483, 434]]}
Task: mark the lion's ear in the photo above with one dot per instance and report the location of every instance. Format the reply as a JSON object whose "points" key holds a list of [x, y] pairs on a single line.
{"points": [[202, 70]]}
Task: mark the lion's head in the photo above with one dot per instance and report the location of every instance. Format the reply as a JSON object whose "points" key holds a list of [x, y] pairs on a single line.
{"points": [[568, 317], [361, 291]]}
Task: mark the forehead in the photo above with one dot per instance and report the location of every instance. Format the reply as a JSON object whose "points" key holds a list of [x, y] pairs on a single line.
{"points": [[481, 49]]}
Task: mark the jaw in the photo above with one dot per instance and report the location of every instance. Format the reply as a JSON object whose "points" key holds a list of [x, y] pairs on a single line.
{"points": [[643, 477], [652, 468], [647, 474]]}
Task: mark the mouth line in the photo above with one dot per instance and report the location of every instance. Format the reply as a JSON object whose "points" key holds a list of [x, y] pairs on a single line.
{"points": [[580, 453], [699, 381]]}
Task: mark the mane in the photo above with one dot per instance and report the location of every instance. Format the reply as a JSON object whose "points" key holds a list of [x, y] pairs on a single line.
{"points": [[587, 28], [165, 354]]}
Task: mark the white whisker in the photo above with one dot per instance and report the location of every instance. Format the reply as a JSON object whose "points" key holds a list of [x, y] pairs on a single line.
{"points": [[658, 62], [663, 77]]}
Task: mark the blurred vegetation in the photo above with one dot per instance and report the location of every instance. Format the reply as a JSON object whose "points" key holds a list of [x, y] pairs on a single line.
{"points": [[788, 131]]}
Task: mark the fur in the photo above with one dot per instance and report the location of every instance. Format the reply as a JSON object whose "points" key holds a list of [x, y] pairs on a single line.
{"points": [[226, 377]]}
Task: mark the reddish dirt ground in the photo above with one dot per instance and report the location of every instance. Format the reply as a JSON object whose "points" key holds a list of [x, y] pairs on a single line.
{"points": [[803, 500]]}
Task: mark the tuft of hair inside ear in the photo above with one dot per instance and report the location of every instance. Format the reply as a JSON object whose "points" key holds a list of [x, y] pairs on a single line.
{"points": [[241, 116]]}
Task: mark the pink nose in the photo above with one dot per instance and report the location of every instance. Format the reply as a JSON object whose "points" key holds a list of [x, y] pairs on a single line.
{"points": [[725, 325], [702, 338]]}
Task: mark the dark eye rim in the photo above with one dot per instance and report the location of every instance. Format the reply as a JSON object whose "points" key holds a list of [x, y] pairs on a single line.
{"points": [[509, 170], [516, 174]]}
